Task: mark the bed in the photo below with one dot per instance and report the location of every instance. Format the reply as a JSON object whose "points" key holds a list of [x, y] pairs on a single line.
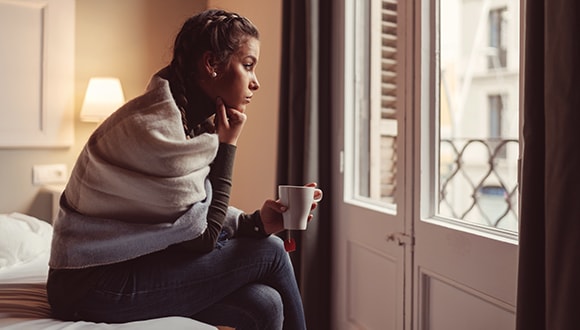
{"points": [[24, 253]]}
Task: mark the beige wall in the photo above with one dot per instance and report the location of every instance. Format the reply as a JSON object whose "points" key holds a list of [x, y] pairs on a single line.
{"points": [[255, 170], [132, 39]]}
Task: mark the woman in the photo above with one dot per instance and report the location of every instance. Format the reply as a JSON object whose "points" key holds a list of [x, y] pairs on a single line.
{"points": [[145, 229]]}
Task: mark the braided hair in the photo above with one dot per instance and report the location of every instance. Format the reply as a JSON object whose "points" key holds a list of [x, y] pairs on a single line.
{"points": [[217, 31]]}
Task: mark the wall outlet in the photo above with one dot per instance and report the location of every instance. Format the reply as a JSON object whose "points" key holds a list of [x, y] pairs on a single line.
{"points": [[53, 173]]}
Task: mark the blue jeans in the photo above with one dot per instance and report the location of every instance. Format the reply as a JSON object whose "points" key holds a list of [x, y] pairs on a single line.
{"points": [[245, 283]]}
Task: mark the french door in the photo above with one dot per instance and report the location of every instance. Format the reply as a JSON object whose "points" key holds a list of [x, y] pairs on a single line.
{"points": [[426, 226], [373, 238]]}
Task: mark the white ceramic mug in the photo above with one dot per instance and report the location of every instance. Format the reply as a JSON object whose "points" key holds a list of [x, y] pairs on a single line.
{"points": [[299, 200]]}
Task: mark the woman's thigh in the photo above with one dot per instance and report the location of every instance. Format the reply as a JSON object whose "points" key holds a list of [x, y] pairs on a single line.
{"points": [[178, 283]]}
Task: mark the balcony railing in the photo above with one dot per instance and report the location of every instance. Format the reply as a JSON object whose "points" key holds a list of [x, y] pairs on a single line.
{"points": [[478, 181]]}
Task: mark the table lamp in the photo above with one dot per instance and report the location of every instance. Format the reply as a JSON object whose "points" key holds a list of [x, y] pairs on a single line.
{"points": [[104, 95]]}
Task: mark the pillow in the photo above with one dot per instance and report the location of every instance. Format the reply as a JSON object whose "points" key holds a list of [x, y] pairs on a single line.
{"points": [[22, 238]]}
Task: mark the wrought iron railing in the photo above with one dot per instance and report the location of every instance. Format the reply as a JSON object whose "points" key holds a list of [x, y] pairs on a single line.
{"points": [[478, 181]]}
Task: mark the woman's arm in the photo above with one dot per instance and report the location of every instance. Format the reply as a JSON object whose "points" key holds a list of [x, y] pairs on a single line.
{"points": [[220, 177], [250, 225]]}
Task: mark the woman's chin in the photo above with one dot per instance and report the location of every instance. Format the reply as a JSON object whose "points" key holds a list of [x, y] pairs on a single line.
{"points": [[241, 108]]}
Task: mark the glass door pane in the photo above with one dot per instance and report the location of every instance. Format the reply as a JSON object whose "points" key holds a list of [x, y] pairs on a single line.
{"points": [[478, 119], [373, 157]]}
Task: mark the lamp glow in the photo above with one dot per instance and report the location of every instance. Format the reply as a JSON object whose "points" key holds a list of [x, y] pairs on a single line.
{"points": [[104, 95]]}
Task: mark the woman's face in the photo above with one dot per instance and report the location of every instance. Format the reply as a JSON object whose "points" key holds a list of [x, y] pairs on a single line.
{"points": [[236, 81]]}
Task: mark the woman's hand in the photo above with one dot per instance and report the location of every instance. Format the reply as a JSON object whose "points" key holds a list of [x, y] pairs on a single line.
{"points": [[229, 123], [271, 214]]}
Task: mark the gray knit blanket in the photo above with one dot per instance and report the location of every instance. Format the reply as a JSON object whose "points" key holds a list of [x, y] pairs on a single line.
{"points": [[138, 185]]}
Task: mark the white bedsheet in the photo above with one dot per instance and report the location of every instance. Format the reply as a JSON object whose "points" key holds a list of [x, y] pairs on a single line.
{"points": [[23, 303], [169, 323], [33, 271]]}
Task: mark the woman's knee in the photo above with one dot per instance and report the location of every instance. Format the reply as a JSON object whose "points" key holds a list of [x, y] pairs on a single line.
{"points": [[273, 241], [271, 246], [267, 306]]}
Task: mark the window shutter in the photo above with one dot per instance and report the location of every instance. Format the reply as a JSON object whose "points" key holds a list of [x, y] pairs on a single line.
{"points": [[388, 59], [388, 103]]}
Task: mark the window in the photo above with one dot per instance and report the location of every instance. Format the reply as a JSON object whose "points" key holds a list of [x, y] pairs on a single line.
{"points": [[386, 91], [478, 127], [474, 119], [497, 57], [495, 126], [375, 105]]}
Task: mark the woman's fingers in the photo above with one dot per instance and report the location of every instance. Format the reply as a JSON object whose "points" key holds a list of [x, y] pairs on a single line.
{"points": [[230, 123], [275, 205], [314, 205], [221, 112], [235, 118]]}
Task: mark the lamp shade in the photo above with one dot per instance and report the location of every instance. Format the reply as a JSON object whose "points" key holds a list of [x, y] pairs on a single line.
{"points": [[104, 95]]}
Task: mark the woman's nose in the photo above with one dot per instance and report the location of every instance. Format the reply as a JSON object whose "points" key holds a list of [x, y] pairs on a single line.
{"points": [[254, 85]]}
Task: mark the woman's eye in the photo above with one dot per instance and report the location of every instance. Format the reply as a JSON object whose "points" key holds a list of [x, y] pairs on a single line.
{"points": [[249, 66]]}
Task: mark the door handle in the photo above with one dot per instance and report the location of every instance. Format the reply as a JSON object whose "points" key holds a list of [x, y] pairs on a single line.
{"points": [[400, 238]]}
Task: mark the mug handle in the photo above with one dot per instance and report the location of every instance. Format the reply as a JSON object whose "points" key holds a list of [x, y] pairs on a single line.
{"points": [[319, 192]]}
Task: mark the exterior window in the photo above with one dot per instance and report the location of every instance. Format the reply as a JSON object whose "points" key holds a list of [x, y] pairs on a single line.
{"points": [[497, 57], [495, 126]]}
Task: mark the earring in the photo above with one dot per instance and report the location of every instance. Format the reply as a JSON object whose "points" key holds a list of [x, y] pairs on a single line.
{"points": [[213, 74]]}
